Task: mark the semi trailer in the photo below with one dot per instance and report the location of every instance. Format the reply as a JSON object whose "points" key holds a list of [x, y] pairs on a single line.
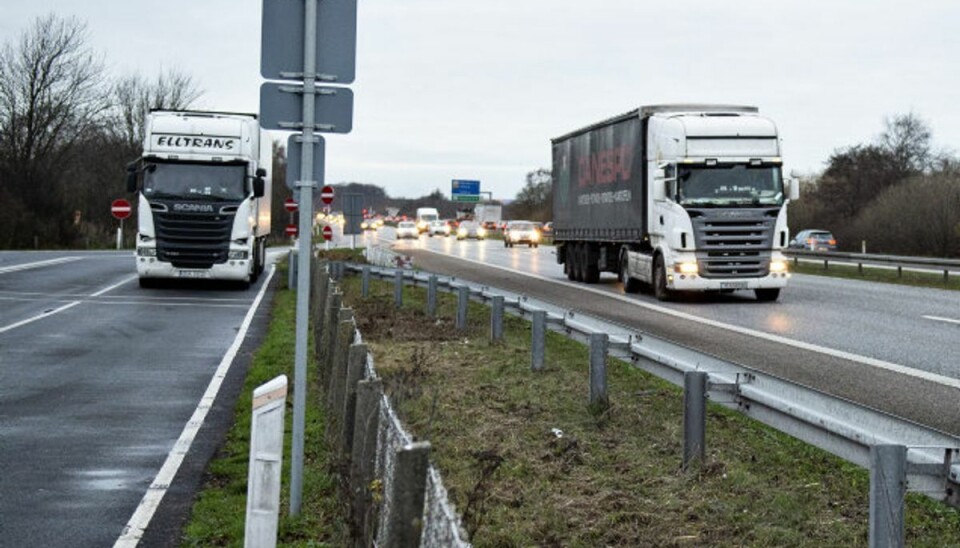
{"points": [[674, 198], [203, 186]]}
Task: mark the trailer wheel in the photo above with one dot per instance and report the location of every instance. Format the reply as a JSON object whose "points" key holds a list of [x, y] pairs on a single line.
{"points": [[660, 289], [767, 294], [630, 285], [591, 271]]}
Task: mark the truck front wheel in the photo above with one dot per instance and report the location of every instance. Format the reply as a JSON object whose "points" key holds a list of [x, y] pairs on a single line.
{"points": [[767, 294], [660, 290], [630, 285]]}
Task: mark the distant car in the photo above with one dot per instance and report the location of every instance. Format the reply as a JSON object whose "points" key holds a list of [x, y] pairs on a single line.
{"points": [[521, 232], [407, 229], [547, 228], [471, 229], [814, 240], [368, 224], [438, 228]]}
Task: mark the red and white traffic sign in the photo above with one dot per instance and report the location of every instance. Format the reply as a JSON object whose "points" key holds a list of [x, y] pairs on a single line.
{"points": [[290, 205], [326, 194], [291, 230], [327, 233], [120, 208]]}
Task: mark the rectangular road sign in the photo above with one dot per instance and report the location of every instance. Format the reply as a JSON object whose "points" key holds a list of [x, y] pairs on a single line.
{"points": [[352, 213], [281, 107], [464, 186], [465, 198], [281, 40], [294, 147]]}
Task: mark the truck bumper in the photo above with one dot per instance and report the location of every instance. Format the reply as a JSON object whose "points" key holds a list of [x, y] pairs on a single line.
{"points": [[150, 267], [684, 282]]}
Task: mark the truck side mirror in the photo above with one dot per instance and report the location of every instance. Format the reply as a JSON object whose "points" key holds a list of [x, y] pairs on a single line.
{"points": [[659, 185], [132, 177], [261, 172], [793, 188], [258, 186]]}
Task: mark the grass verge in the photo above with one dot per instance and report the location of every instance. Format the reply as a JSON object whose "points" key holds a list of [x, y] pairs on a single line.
{"points": [[526, 463], [883, 275], [218, 513]]}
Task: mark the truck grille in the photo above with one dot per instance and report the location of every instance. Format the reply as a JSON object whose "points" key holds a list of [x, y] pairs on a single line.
{"points": [[193, 240], [734, 243]]}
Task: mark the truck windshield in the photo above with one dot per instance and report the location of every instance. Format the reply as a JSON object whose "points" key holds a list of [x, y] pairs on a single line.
{"points": [[729, 185], [195, 181]]}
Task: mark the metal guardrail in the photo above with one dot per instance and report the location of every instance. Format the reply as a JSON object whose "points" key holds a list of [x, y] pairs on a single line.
{"points": [[842, 427], [894, 261]]}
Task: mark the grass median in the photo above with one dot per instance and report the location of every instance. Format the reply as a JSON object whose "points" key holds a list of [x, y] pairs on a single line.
{"points": [[883, 275], [527, 463]]}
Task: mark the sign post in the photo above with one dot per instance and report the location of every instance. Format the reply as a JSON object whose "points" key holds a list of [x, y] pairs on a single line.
{"points": [[120, 209], [307, 41]]}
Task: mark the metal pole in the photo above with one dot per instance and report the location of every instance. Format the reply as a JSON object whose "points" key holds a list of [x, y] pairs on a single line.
{"points": [[292, 269], [598, 370], [120, 236], [538, 343], [305, 184], [365, 282], [888, 486], [398, 288], [463, 298], [496, 319], [694, 416], [432, 296]]}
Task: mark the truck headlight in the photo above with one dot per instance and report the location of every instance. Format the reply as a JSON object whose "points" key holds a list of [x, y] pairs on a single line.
{"points": [[147, 251], [686, 268], [238, 255], [778, 266]]}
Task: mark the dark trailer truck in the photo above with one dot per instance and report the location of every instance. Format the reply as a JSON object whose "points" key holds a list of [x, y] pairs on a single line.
{"points": [[676, 198]]}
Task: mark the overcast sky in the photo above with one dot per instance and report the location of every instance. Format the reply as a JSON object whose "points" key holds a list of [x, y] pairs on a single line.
{"points": [[475, 89]]}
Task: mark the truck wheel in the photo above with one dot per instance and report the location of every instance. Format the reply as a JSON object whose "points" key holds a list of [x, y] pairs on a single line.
{"points": [[568, 268], [591, 271], [660, 280], [578, 262], [630, 285], [767, 294]]}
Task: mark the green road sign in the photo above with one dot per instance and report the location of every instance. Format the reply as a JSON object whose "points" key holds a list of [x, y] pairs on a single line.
{"points": [[465, 198]]}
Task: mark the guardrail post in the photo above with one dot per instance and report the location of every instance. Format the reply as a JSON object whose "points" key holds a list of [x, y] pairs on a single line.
{"points": [[463, 299], [899, 271], [598, 370], [694, 417], [398, 288], [888, 486], [432, 296], [496, 318], [946, 276], [356, 362], [266, 459], [860, 268], [826, 264], [365, 282], [292, 269], [404, 519], [538, 339]]}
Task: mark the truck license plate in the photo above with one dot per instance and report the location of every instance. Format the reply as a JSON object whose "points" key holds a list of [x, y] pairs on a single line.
{"points": [[733, 285], [193, 274]]}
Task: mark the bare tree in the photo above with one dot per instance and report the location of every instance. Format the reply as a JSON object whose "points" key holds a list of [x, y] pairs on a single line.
{"points": [[50, 98], [907, 138], [135, 96]]}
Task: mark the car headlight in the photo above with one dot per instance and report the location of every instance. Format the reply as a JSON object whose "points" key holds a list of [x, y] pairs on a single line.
{"points": [[686, 268], [481, 232], [535, 236], [462, 232], [778, 266], [238, 255]]}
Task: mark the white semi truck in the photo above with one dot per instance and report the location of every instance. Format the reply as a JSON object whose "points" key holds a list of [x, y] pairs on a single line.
{"points": [[675, 198], [203, 187]]}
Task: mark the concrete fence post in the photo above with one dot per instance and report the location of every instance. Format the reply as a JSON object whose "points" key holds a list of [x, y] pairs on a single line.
{"points": [[599, 342], [356, 365], [343, 338], [330, 333], [365, 282], [888, 487], [404, 519], [463, 300], [432, 283], [694, 417], [266, 460], [292, 269], [496, 319], [363, 453], [398, 288], [538, 344]]}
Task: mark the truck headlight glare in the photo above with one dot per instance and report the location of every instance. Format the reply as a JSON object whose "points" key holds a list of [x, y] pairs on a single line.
{"points": [[687, 268], [778, 266]]}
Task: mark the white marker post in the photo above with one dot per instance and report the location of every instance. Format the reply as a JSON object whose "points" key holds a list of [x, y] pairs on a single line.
{"points": [[266, 460]]}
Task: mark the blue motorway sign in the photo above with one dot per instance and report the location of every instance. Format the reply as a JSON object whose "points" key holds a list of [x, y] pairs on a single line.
{"points": [[464, 186]]}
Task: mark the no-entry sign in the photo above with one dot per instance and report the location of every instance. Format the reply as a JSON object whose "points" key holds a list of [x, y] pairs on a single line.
{"points": [[290, 205], [291, 230], [327, 233], [120, 208], [326, 195]]}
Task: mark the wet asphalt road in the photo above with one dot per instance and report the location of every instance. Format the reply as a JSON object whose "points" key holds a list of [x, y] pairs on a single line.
{"points": [[877, 344], [97, 380]]}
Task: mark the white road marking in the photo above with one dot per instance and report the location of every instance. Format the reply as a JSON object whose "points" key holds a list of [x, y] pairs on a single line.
{"points": [[38, 264], [71, 296], [67, 306], [939, 319], [140, 520], [880, 364]]}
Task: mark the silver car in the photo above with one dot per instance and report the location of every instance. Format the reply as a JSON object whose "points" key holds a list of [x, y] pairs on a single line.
{"points": [[471, 229], [521, 232], [814, 240]]}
